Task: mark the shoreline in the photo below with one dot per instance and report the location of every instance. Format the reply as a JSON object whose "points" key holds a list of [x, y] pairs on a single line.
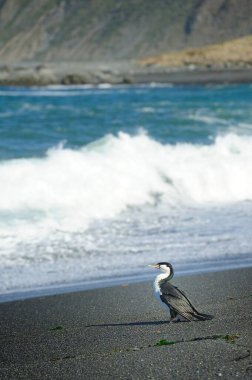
{"points": [[116, 73], [182, 270], [123, 333]]}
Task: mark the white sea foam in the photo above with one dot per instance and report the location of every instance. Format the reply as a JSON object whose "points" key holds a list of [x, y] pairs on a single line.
{"points": [[100, 180], [147, 110], [104, 85], [44, 91], [208, 119], [53, 210]]}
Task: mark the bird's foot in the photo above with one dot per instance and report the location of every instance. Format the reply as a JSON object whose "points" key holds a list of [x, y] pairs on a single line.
{"points": [[174, 320]]}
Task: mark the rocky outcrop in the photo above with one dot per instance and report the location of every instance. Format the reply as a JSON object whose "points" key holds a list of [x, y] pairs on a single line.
{"points": [[50, 74]]}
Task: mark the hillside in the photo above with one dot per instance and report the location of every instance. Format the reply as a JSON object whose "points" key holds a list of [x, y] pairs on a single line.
{"points": [[234, 53], [114, 30]]}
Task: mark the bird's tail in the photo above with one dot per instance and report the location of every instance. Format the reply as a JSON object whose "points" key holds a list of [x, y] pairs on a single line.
{"points": [[203, 317]]}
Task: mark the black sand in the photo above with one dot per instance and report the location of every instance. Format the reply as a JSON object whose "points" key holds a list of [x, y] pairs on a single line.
{"points": [[128, 72], [113, 333]]}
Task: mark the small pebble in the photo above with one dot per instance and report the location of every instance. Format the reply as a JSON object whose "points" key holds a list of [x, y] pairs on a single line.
{"points": [[135, 349]]}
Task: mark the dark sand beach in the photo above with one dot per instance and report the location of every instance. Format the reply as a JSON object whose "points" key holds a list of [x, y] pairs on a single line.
{"points": [[123, 333], [117, 73]]}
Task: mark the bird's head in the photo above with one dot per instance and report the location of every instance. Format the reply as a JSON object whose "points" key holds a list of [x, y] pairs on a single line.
{"points": [[164, 267]]}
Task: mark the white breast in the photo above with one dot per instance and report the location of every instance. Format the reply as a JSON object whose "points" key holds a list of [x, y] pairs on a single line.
{"points": [[157, 290], [160, 277]]}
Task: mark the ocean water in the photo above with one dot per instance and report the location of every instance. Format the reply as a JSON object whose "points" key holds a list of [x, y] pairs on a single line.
{"points": [[98, 182]]}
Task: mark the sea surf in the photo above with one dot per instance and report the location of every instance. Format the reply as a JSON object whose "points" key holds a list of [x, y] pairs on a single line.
{"points": [[98, 182]]}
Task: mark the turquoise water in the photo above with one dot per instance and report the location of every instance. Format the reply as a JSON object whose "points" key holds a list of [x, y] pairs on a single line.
{"points": [[32, 121], [100, 181]]}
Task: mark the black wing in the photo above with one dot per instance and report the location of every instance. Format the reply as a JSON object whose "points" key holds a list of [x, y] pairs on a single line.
{"points": [[177, 300]]}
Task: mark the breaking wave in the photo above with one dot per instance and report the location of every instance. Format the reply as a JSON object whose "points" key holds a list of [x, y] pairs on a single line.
{"points": [[63, 213], [68, 188]]}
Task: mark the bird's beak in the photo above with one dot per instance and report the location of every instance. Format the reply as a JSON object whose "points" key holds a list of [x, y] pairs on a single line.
{"points": [[153, 266]]}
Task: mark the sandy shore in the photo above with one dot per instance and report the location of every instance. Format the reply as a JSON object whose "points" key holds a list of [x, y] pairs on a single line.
{"points": [[115, 333], [126, 72]]}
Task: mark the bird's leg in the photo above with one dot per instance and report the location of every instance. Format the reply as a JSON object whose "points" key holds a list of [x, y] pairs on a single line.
{"points": [[173, 315]]}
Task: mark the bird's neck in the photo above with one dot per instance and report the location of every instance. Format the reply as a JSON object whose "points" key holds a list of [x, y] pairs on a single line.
{"points": [[160, 277], [163, 276]]}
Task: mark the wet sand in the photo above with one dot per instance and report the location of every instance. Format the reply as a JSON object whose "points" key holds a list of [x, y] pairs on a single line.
{"points": [[123, 333]]}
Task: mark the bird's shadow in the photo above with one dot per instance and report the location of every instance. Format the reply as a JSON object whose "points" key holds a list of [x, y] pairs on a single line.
{"points": [[141, 323]]}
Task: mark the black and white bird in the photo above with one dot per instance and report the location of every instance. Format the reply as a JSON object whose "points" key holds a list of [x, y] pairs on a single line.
{"points": [[180, 307]]}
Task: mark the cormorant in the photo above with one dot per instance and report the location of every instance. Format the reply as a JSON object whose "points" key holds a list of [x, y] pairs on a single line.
{"points": [[179, 305]]}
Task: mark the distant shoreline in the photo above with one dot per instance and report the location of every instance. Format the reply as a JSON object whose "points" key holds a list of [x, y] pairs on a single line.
{"points": [[183, 77], [182, 270], [116, 73]]}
